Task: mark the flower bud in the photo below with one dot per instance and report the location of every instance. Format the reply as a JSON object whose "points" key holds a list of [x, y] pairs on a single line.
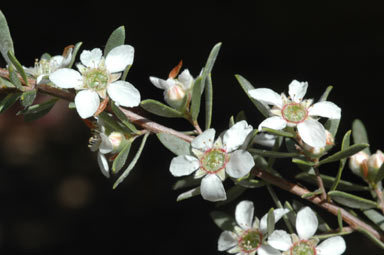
{"points": [[174, 96], [116, 138], [358, 163], [374, 163]]}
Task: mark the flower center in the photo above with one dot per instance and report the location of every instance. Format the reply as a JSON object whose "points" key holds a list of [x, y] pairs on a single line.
{"points": [[214, 160], [96, 79], [302, 248], [250, 241], [294, 113]]}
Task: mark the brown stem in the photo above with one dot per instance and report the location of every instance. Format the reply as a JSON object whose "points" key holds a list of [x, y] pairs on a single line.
{"points": [[320, 184], [380, 199]]}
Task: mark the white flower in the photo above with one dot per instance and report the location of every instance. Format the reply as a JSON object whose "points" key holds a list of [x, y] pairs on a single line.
{"points": [[175, 89], [98, 77], [104, 144], [247, 238], [213, 159], [296, 112], [305, 242], [44, 67]]}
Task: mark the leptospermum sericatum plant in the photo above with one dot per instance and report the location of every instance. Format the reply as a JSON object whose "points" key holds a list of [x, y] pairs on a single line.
{"points": [[219, 167]]}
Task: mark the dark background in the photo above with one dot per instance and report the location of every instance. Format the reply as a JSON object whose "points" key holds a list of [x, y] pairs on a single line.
{"points": [[53, 198]]}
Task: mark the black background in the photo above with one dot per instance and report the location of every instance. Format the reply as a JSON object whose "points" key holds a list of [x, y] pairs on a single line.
{"points": [[53, 198]]}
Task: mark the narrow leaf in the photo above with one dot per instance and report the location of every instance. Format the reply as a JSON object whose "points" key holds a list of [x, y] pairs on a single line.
{"points": [[352, 201], [340, 220], [270, 221], [380, 174], [211, 60], [5, 84], [188, 194], [278, 132], [196, 98], [6, 43], [14, 78], [208, 102], [160, 109], [8, 101], [303, 162], [37, 111], [174, 144], [344, 153], [375, 217], [74, 54], [246, 86], [18, 66], [223, 220], [28, 97], [133, 162], [123, 118], [121, 158], [371, 237], [186, 182], [325, 95], [344, 145], [359, 134], [332, 125], [274, 154], [117, 38]]}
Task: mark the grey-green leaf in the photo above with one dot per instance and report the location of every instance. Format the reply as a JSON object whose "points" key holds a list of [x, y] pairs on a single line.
{"points": [[14, 78], [223, 220], [380, 174], [344, 145], [121, 158], [37, 111], [351, 201], [74, 54], [188, 194], [116, 38], [123, 118], [5, 84], [18, 66], [174, 144], [246, 86], [274, 154], [28, 97], [208, 102], [359, 134], [160, 109], [278, 132], [8, 101], [133, 162], [6, 43], [375, 217], [325, 95], [186, 182], [196, 98], [344, 153], [332, 125], [270, 221]]}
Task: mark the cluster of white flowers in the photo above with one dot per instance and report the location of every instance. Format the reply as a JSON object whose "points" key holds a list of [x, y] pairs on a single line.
{"points": [[250, 236]]}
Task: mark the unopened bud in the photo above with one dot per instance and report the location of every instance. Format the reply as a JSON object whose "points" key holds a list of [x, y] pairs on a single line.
{"points": [[358, 163], [116, 138], [174, 96]]}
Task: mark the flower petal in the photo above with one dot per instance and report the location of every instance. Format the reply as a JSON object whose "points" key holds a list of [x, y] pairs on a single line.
{"points": [[105, 145], [119, 58], [91, 58], [240, 163], [87, 102], [325, 109], [306, 223], [267, 250], [235, 136], [226, 241], [124, 93], [212, 189], [244, 214], [205, 140], [183, 165], [267, 96], [297, 90], [66, 78], [160, 83], [274, 122], [186, 79], [334, 245], [312, 132], [278, 213], [281, 240], [103, 164]]}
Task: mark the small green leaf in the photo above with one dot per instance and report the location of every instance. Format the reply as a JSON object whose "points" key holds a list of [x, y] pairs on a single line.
{"points": [[37, 111], [133, 162], [325, 95], [329, 181], [371, 237], [14, 78], [340, 220], [359, 134], [117, 38], [186, 182], [240, 116], [250, 183], [375, 217], [123, 118], [246, 86], [274, 154], [160, 109], [223, 220], [121, 158], [18, 66], [208, 102], [344, 153], [278, 132], [270, 221], [174, 144], [28, 97], [303, 162], [74, 54], [6, 43], [380, 174], [196, 98], [332, 125], [351, 201], [344, 145], [8, 101], [5, 84], [188, 194], [211, 60]]}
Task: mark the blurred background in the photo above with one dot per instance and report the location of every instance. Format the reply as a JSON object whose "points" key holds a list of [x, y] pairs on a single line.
{"points": [[53, 197]]}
